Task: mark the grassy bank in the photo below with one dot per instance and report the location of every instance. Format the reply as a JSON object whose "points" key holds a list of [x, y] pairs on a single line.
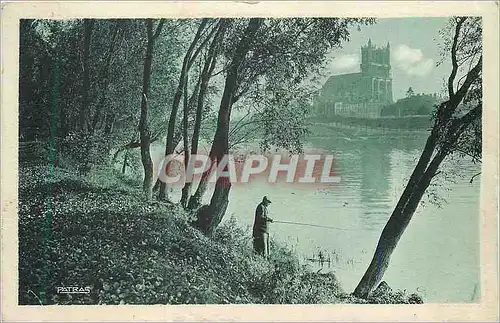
{"points": [[96, 231]]}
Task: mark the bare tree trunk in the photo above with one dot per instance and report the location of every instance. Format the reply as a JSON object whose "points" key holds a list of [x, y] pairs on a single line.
{"points": [[185, 141], [196, 199], [400, 217], [144, 132], [188, 105], [87, 36], [414, 190], [218, 205], [169, 148], [220, 146], [157, 185], [208, 68], [125, 162]]}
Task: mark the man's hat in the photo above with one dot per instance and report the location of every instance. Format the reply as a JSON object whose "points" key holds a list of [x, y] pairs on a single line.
{"points": [[265, 199]]}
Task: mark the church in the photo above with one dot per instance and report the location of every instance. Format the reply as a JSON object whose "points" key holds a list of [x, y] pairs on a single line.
{"points": [[362, 94]]}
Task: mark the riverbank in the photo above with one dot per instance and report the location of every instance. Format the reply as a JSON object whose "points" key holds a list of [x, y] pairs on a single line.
{"points": [[95, 231], [414, 123]]}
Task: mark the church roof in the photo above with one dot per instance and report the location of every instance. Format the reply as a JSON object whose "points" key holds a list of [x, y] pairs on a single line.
{"points": [[342, 78]]}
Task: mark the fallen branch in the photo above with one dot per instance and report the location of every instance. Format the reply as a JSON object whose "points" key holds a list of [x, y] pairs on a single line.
{"points": [[472, 178]]}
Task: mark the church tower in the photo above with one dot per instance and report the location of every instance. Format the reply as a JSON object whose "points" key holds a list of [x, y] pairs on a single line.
{"points": [[376, 61], [376, 71]]}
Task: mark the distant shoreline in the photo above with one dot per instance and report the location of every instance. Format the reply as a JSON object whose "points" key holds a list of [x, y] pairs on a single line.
{"points": [[412, 124]]}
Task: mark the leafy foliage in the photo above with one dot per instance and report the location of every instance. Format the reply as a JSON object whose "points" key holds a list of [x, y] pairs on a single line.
{"points": [[412, 105], [287, 127], [274, 82], [383, 294], [462, 38], [83, 151], [52, 92]]}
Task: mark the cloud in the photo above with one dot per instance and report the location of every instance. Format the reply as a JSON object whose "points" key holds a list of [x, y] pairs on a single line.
{"points": [[412, 61], [345, 62]]}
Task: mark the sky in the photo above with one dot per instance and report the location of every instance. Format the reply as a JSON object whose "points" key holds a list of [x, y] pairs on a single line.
{"points": [[414, 53]]}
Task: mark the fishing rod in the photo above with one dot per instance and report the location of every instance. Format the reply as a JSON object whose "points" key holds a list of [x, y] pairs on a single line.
{"points": [[314, 225]]}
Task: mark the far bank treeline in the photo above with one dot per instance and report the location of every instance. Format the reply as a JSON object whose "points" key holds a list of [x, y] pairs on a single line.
{"points": [[96, 90], [414, 112]]}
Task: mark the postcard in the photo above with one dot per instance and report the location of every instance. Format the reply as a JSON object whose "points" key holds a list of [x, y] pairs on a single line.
{"points": [[250, 161]]}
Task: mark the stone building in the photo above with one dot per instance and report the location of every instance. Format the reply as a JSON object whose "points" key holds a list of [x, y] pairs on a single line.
{"points": [[360, 94]]}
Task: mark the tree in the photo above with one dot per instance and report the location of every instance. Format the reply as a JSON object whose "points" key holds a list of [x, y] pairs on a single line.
{"points": [[144, 131], [192, 52], [455, 120], [100, 63], [43, 43], [283, 54], [199, 94], [283, 51], [212, 215], [124, 90], [104, 77]]}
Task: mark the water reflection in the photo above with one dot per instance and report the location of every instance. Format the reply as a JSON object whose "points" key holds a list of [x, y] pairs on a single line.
{"points": [[375, 177], [374, 170]]}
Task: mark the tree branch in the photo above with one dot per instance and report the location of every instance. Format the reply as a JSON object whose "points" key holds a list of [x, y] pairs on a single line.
{"points": [[466, 153], [471, 115], [237, 123], [149, 27], [203, 44], [219, 72], [471, 77], [454, 62], [474, 176], [158, 28], [436, 174]]}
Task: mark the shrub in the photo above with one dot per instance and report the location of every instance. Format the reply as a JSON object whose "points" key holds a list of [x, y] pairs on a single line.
{"points": [[83, 150], [383, 294]]}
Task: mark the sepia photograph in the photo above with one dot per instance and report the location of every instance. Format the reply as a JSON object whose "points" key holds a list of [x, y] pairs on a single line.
{"points": [[225, 160]]}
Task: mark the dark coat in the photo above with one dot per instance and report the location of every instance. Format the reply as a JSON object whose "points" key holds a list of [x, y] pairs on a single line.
{"points": [[261, 219]]}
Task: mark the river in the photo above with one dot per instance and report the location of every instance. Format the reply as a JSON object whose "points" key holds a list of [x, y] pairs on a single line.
{"points": [[438, 255]]}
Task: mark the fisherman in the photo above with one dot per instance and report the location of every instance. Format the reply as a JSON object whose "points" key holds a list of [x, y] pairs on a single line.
{"points": [[260, 230]]}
